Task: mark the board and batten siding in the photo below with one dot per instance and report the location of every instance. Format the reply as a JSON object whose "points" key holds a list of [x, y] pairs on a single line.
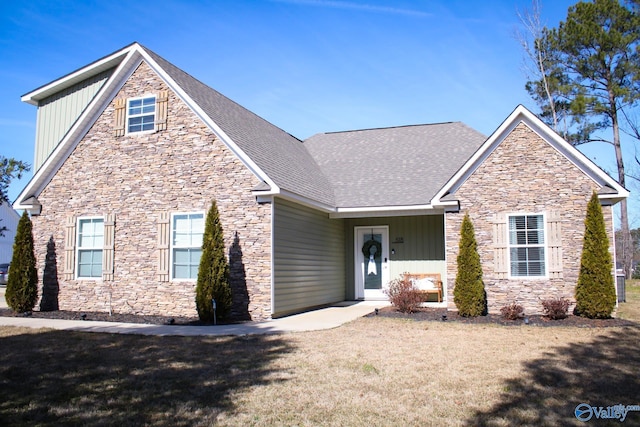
{"points": [[309, 258], [416, 245], [58, 112], [9, 218]]}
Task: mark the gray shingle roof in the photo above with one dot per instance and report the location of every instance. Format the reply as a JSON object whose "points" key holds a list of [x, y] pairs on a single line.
{"points": [[280, 155], [398, 166]]}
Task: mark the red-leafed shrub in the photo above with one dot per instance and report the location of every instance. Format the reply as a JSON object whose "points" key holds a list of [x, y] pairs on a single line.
{"points": [[403, 295], [555, 308], [512, 311]]}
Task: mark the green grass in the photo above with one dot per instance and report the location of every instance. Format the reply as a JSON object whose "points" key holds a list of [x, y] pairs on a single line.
{"points": [[631, 308]]}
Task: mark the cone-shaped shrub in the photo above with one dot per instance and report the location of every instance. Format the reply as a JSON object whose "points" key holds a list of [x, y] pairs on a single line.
{"points": [[469, 294], [595, 291], [213, 274], [22, 287]]}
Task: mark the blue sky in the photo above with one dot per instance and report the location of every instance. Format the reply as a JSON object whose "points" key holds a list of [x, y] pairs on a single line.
{"points": [[307, 66]]}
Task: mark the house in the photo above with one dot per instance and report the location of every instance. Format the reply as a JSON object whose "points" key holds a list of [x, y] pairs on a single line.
{"points": [[131, 151], [9, 219]]}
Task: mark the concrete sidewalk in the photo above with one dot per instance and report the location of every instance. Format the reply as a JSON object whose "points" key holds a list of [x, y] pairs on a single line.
{"points": [[324, 318]]}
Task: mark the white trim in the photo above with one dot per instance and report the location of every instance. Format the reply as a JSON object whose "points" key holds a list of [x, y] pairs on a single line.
{"points": [[78, 248], [133, 56], [253, 167], [59, 155], [172, 246], [271, 259], [74, 77], [522, 115], [359, 291], [385, 211], [545, 245]]}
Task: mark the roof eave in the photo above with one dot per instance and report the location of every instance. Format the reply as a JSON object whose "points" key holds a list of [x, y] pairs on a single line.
{"points": [[96, 67]]}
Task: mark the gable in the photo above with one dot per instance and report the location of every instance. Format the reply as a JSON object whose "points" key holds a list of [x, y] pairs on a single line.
{"points": [[519, 130], [524, 174], [184, 165], [276, 158]]}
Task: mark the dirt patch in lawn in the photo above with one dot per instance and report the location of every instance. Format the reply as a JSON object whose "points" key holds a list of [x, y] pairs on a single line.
{"points": [[443, 315]]}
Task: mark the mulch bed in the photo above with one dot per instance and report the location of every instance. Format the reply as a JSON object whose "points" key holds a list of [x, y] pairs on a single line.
{"points": [[436, 314], [423, 314], [104, 317]]}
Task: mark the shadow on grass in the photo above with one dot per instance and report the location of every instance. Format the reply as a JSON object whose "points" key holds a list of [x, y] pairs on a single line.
{"points": [[604, 372], [72, 378]]}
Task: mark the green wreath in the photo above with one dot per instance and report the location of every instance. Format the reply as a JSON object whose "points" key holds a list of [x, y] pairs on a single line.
{"points": [[367, 247]]}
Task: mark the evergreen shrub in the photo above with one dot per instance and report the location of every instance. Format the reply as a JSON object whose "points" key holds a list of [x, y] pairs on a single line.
{"points": [[469, 294], [595, 291], [213, 272], [22, 286]]}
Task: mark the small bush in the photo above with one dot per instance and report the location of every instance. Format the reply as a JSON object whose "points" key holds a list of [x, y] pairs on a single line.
{"points": [[512, 311], [403, 295], [555, 308]]}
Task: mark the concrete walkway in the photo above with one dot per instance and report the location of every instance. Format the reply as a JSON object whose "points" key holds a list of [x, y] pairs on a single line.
{"points": [[324, 318]]}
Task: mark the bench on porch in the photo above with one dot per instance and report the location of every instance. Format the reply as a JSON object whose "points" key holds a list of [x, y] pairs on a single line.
{"points": [[426, 283]]}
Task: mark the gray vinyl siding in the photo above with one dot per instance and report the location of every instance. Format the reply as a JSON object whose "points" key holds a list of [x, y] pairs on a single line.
{"points": [[57, 113], [309, 258], [418, 242]]}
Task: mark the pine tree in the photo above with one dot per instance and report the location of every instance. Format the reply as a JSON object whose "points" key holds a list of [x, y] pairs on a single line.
{"points": [[595, 291], [468, 294], [213, 274], [22, 287]]}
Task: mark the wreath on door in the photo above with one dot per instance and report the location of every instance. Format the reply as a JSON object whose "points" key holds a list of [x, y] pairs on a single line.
{"points": [[366, 248]]}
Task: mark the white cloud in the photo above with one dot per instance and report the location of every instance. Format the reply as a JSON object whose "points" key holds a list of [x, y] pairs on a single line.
{"points": [[357, 6]]}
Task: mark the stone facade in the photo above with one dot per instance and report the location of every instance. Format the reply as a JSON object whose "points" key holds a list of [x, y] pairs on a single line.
{"points": [[137, 177], [524, 174]]}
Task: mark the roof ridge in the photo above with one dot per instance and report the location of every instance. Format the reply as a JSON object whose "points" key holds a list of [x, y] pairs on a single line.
{"points": [[390, 127]]}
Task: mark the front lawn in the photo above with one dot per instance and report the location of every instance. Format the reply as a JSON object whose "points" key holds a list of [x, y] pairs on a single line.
{"points": [[373, 371]]}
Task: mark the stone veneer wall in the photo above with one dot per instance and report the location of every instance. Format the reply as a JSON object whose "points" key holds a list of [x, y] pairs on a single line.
{"points": [[523, 175], [135, 177]]}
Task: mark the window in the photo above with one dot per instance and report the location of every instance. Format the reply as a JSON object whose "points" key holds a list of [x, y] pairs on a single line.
{"points": [[186, 244], [527, 245], [90, 245], [141, 114]]}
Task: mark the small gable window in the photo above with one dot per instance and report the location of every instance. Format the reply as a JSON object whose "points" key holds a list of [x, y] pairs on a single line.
{"points": [[527, 245], [141, 114]]}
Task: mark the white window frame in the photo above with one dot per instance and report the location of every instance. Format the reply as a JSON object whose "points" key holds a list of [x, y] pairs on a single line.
{"points": [[88, 248], [130, 116], [173, 246], [543, 245]]}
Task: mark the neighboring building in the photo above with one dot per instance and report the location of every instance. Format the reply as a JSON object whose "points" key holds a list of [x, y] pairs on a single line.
{"points": [[9, 218], [131, 150]]}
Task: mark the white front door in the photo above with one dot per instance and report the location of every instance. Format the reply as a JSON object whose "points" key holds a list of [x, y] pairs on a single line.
{"points": [[372, 268]]}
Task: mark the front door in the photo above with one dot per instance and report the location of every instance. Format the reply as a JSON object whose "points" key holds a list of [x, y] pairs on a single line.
{"points": [[372, 262]]}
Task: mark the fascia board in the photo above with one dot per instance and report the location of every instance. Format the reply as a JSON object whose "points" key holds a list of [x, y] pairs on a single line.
{"points": [[135, 55], [55, 160], [521, 114], [248, 162], [385, 211], [74, 77]]}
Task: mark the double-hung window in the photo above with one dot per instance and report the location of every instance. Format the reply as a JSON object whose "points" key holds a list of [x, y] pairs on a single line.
{"points": [[141, 114], [527, 245], [89, 246], [186, 244]]}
